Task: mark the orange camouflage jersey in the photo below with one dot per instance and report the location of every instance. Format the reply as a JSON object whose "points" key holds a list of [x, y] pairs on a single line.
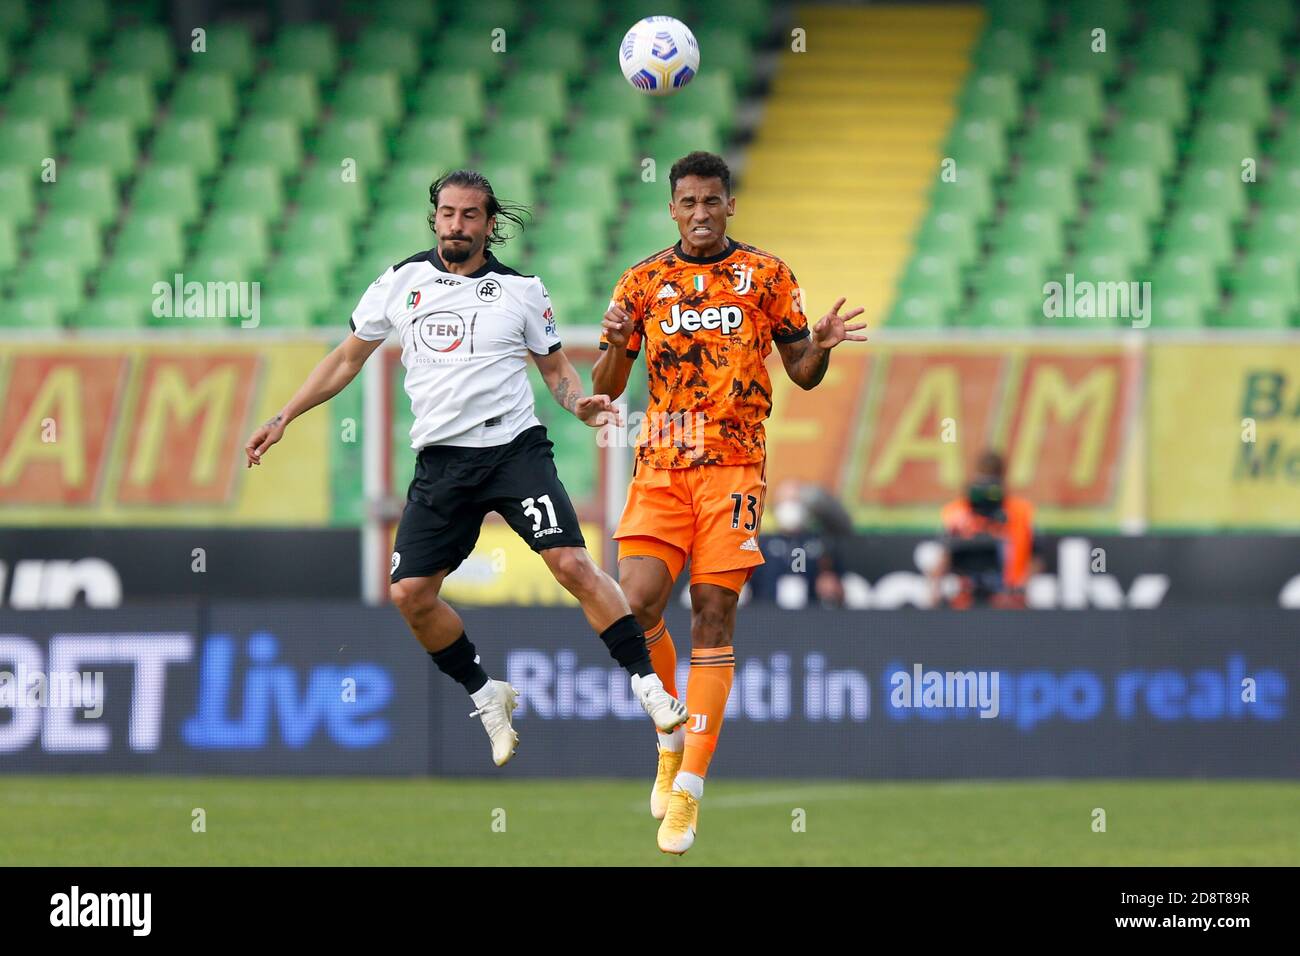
{"points": [[707, 326]]}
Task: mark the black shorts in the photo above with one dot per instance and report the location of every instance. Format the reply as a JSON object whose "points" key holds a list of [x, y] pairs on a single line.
{"points": [[455, 488]]}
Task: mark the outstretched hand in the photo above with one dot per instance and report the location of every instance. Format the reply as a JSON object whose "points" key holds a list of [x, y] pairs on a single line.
{"points": [[262, 439], [598, 410], [832, 328]]}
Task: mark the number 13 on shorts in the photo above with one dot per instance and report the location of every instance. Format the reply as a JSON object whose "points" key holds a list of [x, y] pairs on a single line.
{"points": [[748, 506]]}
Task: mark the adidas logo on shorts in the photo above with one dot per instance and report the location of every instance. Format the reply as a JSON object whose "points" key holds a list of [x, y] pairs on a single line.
{"points": [[749, 545]]}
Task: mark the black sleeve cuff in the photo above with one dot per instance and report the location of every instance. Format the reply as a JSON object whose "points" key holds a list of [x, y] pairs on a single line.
{"points": [[631, 353], [554, 348], [352, 325], [791, 336]]}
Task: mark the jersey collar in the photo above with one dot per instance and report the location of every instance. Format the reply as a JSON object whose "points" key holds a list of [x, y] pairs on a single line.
{"points": [[705, 260]]}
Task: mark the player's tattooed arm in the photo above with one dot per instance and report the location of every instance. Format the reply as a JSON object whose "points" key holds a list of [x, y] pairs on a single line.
{"points": [[565, 385], [806, 360]]}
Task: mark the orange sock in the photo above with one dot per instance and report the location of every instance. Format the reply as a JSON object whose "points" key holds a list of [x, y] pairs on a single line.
{"points": [[707, 688], [663, 656]]}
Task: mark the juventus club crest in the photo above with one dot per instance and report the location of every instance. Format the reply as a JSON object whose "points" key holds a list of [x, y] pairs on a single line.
{"points": [[744, 277]]}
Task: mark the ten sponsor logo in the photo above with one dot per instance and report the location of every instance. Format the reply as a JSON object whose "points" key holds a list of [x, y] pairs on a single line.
{"points": [[73, 909], [727, 319]]}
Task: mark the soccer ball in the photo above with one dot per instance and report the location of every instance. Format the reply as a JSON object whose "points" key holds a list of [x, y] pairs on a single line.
{"points": [[659, 55]]}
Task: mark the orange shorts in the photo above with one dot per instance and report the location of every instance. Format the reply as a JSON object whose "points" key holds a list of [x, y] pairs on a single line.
{"points": [[710, 513]]}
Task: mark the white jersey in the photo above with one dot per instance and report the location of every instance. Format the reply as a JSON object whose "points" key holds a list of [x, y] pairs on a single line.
{"points": [[465, 344]]}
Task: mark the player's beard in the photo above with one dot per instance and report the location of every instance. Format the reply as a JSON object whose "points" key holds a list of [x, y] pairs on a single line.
{"points": [[457, 252]]}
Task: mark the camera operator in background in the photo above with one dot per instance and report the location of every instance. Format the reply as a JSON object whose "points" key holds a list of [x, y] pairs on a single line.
{"points": [[801, 551], [988, 542]]}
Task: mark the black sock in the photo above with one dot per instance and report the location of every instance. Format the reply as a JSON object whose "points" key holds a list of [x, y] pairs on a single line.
{"points": [[459, 661], [626, 643]]}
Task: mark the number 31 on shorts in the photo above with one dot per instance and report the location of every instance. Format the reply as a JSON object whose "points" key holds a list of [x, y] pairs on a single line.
{"points": [[750, 503]]}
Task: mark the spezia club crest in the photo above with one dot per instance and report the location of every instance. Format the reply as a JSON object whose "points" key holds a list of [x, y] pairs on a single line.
{"points": [[488, 290]]}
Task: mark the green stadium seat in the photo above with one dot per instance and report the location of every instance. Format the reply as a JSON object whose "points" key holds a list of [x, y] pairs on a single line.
{"points": [[380, 48], [416, 17], [1203, 233], [1186, 275], [1077, 51], [1280, 190], [61, 52], [152, 236], [1215, 188], [1250, 50], [286, 95], [187, 141], [118, 313], [1237, 97], [1071, 96], [167, 190], [1030, 232], [1013, 273], [287, 311], [249, 189], [30, 311], [1140, 142], [1104, 271], [71, 235], [305, 276], [13, 19], [1290, 100], [643, 233], [1176, 311], [1024, 16], [464, 48], [487, 14], [17, 199], [511, 182], [323, 189], [306, 47], [406, 183], [25, 144], [1059, 143], [89, 17], [437, 143], [234, 234], [134, 276], [648, 197], [1253, 312], [1266, 273], [1116, 231], [1154, 96], [57, 276], [109, 143], [122, 96], [558, 268], [217, 270], [1222, 141], [86, 190], [1280, 18], [969, 193], [948, 234], [935, 276], [457, 93], [721, 48], [991, 96], [371, 96], [1001, 310], [549, 49], [1045, 188], [607, 141], [1114, 16], [609, 96], [581, 15], [1131, 189], [1272, 229], [1195, 17], [143, 49], [1003, 50], [228, 50], [675, 137], [209, 96], [397, 232], [918, 310], [977, 143], [359, 140], [588, 186], [8, 246], [535, 93], [1169, 50], [41, 96], [6, 64], [323, 234], [271, 142], [579, 232], [519, 140]]}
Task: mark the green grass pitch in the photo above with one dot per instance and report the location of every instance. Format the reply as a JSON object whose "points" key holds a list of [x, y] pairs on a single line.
{"points": [[103, 820]]}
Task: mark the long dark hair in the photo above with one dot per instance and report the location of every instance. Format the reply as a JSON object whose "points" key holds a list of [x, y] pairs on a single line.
{"points": [[503, 210]]}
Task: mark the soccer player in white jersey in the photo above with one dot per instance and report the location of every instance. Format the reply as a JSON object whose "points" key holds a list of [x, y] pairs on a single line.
{"points": [[467, 323]]}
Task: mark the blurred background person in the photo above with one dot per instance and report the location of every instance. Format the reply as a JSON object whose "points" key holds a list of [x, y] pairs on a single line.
{"points": [[801, 548]]}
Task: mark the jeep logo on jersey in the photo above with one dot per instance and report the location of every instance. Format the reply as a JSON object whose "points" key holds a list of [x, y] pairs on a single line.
{"points": [[489, 290], [441, 331], [727, 318]]}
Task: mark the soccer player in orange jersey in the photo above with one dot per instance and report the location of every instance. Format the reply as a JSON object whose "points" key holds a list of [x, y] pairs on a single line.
{"points": [[706, 313]]}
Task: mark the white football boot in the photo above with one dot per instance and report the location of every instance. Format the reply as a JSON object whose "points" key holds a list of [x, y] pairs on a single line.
{"points": [[664, 709], [496, 701]]}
